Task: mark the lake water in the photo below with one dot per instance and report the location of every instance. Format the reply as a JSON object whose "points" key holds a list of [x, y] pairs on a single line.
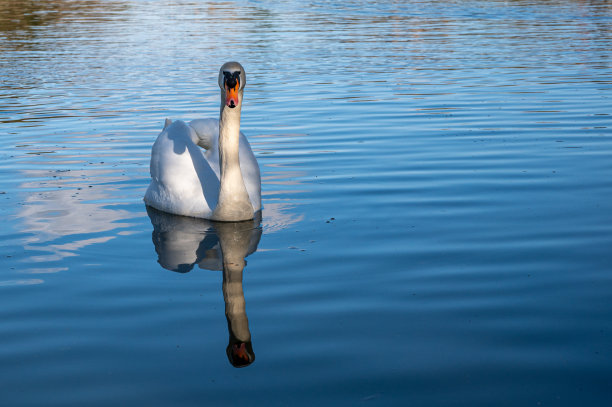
{"points": [[437, 190]]}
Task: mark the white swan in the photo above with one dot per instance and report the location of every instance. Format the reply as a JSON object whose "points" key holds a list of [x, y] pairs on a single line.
{"points": [[221, 183]]}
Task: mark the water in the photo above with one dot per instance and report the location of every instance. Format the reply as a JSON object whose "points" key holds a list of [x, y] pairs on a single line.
{"points": [[437, 225]]}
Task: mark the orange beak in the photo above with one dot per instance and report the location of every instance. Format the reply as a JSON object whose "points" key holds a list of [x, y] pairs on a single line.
{"points": [[231, 95], [240, 352]]}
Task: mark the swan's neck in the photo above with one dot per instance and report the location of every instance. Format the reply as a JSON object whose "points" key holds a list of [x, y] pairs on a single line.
{"points": [[234, 203], [234, 240], [233, 294]]}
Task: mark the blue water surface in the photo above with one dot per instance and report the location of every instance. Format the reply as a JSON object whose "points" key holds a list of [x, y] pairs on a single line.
{"points": [[437, 190]]}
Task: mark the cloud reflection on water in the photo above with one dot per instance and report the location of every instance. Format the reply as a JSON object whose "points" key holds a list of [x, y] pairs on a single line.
{"points": [[88, 191]]}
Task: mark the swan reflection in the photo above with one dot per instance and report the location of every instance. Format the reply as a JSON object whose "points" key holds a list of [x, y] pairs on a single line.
{"points": [[182, 242]]}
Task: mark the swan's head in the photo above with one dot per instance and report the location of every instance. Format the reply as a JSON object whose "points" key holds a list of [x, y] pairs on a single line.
{"points": [[240, 354], [232, 79]]}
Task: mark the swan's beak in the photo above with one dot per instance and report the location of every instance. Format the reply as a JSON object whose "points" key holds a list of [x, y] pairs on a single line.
{"points": [[240, 355], [231, 95], [240, 352]]}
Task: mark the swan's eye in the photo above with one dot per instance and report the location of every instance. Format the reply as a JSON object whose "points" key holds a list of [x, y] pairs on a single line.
{"points": [[235, 74]]}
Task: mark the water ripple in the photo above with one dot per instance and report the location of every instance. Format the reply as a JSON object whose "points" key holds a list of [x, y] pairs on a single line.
{"points": [[436, 224]]}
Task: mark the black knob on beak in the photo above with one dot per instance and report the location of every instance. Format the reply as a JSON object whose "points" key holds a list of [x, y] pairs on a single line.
{"points": [[232, 79]]}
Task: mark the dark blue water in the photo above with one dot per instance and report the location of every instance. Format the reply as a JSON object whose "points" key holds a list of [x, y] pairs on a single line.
{"points": [[437, 190]]}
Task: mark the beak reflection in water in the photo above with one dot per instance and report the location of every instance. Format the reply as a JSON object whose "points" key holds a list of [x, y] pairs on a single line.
{"points": [[182, 242]]}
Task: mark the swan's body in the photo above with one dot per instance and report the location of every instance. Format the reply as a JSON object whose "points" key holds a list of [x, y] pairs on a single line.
{"points": [[206, 169]]}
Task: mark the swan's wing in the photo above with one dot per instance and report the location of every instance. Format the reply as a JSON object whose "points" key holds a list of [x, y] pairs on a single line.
{"points": [[180, 174], [207, 131], [250, 172]]}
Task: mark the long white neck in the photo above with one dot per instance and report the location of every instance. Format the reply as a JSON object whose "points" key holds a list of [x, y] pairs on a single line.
{"points": [[234, 203]]}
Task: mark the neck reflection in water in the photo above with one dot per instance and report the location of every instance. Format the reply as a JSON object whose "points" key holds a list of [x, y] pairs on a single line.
{"points": [[182, 242]]}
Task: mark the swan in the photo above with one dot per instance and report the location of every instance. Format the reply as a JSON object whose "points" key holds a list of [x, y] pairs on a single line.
{"points": [[206, 169]]}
